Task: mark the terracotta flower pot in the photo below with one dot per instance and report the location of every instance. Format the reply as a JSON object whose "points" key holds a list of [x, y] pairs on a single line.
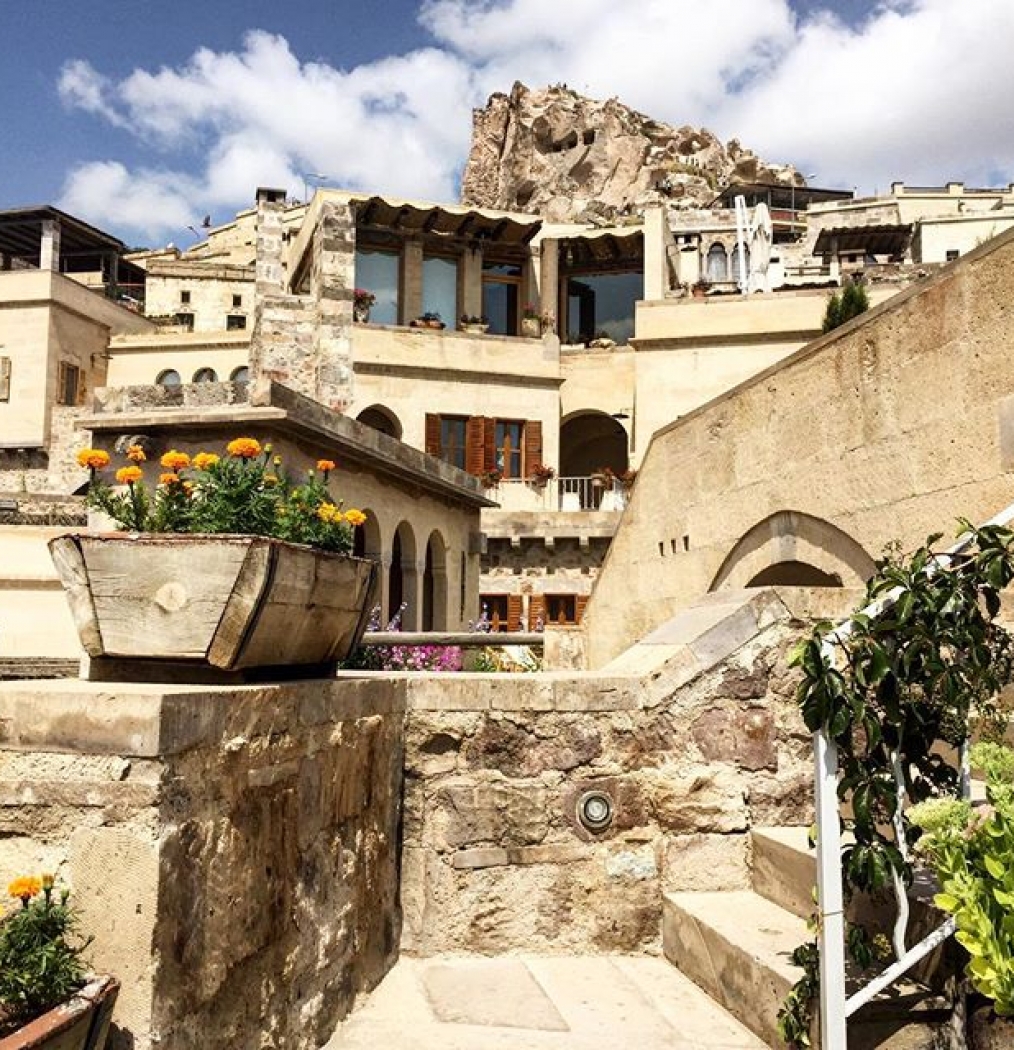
{"points": [[81, 1023], [531, 327]]}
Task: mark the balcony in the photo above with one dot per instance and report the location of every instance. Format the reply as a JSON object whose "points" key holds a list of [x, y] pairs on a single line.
{"points": [[559, 494]]}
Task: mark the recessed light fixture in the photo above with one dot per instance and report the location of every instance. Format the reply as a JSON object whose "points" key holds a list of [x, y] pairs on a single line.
{"points": [[595, 810]]}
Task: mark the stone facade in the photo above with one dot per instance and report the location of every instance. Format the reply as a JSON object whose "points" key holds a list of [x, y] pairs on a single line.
{"points": [[693, 755], [233, 851]]}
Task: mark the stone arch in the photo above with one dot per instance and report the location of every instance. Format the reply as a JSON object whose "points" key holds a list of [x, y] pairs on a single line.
{"points": [[383, 419], [792, 548], [434, 584], [366, 540], [591, 439], [717, 263], [403, 577]]}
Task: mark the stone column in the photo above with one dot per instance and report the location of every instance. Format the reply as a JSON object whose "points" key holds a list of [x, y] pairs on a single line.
{"points": [[270, 276], [411, 280], [49, 249], [656, 276], [334, 251], [411, 593], [549, 278], [384, 587], [471, 282]]}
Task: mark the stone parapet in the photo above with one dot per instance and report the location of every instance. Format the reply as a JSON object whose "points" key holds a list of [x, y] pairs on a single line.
{"points": [[232, 850]]}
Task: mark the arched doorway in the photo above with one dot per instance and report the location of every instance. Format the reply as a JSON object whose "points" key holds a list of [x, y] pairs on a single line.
{"points": [[589, 441], [434, 589], [366, 538], [794, 574], [382, 419], [403, 581]]}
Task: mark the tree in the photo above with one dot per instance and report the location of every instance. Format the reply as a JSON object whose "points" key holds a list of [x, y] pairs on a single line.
{"points": [[852, 302]]}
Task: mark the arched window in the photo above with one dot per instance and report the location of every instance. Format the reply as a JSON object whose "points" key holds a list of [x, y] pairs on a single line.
{"points": [[168, 377], [240, 375], [205, 375], [735, 262], [718, 263]]}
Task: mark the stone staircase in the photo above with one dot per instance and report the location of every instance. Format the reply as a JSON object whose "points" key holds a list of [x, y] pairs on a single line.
{"points": [[737, 946]]}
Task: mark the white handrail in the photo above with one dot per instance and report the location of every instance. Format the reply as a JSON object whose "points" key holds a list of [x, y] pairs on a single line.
{"points": [[835, 1007]]}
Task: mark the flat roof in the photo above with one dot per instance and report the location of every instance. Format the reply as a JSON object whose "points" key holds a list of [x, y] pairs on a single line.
{"points": [[780, 194], [21, 233], [886, 239]]}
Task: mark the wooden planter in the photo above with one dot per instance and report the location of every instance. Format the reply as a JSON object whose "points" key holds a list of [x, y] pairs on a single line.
{"points": [[81, 1023], [232, 603]]}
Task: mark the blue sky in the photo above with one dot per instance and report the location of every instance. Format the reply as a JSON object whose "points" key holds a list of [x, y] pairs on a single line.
{"points": [[143, 117]]}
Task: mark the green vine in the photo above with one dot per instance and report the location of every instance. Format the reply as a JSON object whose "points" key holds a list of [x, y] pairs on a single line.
{"points": [[897, 683]]}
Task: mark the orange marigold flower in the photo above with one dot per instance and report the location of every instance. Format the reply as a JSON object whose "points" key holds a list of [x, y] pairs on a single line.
{"points": [[168, 479], [174, 460], [25, 887], [325, 465], [135, 454], [93, 458], [128, 475], [329, 513], [48, 880], [355, 517], [205, 460], [244, 448]]}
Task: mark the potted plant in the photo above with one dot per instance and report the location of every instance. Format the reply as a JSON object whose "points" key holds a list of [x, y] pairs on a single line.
{"points": [[474, 323], [227, 563], [628, 477], [701, 288], [47, 998], [491, 478], [540, 475], [430, 319], [531, 321], [971, 850], [361, 303], [603, 477]]}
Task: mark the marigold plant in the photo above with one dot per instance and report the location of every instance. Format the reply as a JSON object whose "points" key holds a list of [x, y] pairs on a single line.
{"points": [[245, 492], [40, 952]]}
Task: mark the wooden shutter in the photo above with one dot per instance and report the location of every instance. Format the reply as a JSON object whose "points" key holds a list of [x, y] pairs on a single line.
{"points": [[533, 446], [513, 612], [536, 611], [489, 444], [433, 447], [475, 433], [579, 607], [5, 379]]}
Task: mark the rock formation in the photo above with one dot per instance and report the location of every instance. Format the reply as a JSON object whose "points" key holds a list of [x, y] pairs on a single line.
{"points": [[571, 158]]}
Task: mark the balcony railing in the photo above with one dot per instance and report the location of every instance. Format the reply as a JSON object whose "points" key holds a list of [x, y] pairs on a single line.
{"points": [[567, 493]]}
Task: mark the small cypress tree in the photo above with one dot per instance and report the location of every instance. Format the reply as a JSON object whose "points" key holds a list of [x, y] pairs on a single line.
{"points": [[832, 314], [852, 302]]}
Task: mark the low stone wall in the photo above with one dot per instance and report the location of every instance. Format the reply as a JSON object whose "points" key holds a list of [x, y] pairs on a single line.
{"points": [[703, 745], [233, 850]]}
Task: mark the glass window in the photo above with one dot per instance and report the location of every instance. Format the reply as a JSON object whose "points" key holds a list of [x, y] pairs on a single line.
{"points": [[440, 288], [603, 303], [561, 608], [718, 263], [377, 272], [169, 377], [69, 381], [237, 300], [452, 440], [235, 322], [500, 306], [508, 438], [185, 321], [240, 375], [495, 607], [205, 375]]}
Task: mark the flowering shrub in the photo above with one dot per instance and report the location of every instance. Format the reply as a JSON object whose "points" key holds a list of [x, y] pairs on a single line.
{"points": [[403, 657], [40, 952], [244, 492], [364, 297]]}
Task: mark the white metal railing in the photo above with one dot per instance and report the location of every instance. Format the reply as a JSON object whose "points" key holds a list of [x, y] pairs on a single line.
{"points": [[566, 493], [835, 1006]]}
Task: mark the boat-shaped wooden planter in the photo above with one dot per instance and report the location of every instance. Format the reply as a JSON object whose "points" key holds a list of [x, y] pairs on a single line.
{"points": [[236, 604], [81, 1023]]}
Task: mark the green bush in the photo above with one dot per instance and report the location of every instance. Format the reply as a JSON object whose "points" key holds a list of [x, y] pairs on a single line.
{"points": [[40, 953], [842, 307]]}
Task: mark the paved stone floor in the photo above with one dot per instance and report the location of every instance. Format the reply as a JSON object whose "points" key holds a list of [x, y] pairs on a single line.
{"points": [[538, 1003]]}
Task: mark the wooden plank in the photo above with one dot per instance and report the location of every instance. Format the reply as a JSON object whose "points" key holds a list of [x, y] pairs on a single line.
{"points": [[163, 598], [241, 608], [70, 567]]}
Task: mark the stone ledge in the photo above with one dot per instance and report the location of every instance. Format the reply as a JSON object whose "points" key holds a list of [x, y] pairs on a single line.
{"points": [[492, 857], [546, 691]]}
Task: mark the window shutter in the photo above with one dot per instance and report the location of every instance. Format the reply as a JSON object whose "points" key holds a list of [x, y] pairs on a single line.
{"points": [[533, 445], [513, 612], [475, 437], [433, 435], [536, 611], [489, 444], [579, 607], [5, 379]]}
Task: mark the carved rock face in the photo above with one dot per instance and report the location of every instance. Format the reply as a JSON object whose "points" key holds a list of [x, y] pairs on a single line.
{"points": [[556, 153]]}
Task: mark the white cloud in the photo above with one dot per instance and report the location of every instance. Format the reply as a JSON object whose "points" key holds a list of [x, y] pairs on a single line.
{"points": [[918, 91]]}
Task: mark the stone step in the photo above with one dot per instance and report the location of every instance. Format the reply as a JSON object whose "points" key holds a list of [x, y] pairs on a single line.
{"points": [[737, 945]]}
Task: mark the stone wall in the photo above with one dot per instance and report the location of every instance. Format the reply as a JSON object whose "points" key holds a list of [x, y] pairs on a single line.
{"points": [[233, 851], [700, 745]]}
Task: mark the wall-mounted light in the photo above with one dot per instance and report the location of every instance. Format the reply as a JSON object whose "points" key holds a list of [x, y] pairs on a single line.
{"points": [[595, 811]]}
